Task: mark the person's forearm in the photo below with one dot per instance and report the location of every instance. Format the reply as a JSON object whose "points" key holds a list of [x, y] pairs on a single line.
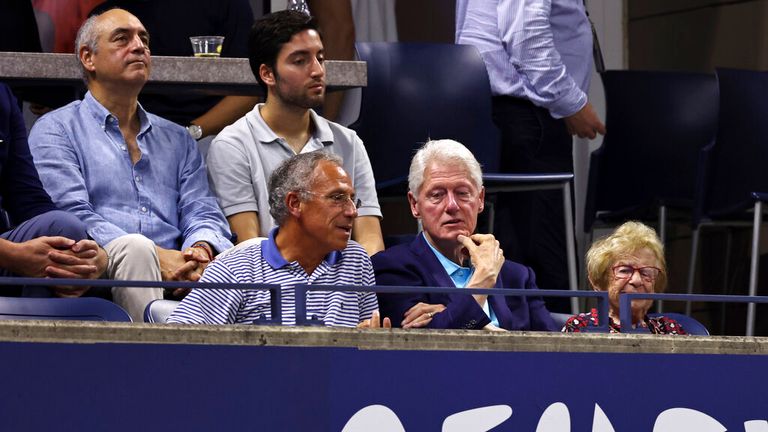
{"points": [[367, 231], [224, 113], [244, 225], [7, 253]]}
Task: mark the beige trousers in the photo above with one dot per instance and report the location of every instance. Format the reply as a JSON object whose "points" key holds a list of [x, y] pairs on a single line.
{"points": [[133, 257]]}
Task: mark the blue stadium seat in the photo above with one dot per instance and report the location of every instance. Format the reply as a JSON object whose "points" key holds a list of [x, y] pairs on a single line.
{"points": [[657, 122], [560, 318], [79, 309], [158, 311], [732, 186], [690, 325], [417, 92]]}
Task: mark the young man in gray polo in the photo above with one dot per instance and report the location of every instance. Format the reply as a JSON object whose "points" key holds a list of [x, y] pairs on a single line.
{"points": [[286, 56]]}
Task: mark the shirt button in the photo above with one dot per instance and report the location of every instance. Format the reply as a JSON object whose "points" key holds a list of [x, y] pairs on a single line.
{"points": [[143, 209], [138, 178], [122, 147]]}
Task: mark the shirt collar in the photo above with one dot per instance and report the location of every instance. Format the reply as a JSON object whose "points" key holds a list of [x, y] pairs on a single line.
{"points": [[103, 116], [449, 266], [322, 130], [275, 259]]}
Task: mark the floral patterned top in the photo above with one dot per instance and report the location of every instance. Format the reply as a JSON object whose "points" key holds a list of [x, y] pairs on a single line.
{"points": [[656, 325]]}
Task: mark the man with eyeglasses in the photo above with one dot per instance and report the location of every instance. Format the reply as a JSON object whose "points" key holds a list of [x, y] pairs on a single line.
{"points": [[286, 55], [446, 194], [314, 204]]}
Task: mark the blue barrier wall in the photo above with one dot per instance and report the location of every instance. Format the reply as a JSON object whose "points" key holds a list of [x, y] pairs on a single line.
{"points": [[120, 386]]}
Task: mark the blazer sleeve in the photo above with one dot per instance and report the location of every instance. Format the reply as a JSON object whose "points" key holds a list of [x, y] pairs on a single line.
{"points": [[540, 318], [23, 196], [393, 269]]}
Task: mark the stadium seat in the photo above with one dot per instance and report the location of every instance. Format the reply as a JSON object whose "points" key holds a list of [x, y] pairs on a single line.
{"points": [[78, 309], [690, 325], [657, 122], [158, 311], [732, 186]]}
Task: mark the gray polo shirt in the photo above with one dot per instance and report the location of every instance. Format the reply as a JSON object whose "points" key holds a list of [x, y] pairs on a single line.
{"points": [[242, 157]]}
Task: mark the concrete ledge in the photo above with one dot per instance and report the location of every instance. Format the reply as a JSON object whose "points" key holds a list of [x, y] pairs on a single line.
{"points": [[396, 339], [212, 76]]}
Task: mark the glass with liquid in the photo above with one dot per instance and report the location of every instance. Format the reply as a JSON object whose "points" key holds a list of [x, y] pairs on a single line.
{"points": [[206, 46]]}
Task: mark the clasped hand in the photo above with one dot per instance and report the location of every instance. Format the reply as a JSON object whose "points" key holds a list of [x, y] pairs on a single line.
{"points": [[60, 257], [182, 266]]}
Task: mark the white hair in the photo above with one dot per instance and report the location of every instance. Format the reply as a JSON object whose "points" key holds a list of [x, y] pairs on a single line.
{"points": [[444, 150]]}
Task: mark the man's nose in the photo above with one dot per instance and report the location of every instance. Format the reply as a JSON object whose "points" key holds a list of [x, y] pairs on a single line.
{"points": [[350, 209], [138, 44], [318, 68], [451, 203]]}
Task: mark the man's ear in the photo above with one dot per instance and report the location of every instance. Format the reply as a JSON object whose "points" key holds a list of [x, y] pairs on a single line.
{"points": [[86, 58], [267, 75], [293, 203], [414, 209], [482, 199]]}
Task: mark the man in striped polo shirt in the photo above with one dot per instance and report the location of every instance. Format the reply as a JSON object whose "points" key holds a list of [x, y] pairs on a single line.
{"points": [[313, 201]]}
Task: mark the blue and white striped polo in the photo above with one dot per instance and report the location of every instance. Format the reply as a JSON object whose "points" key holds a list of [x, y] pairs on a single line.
{"points": [[263, 263]]}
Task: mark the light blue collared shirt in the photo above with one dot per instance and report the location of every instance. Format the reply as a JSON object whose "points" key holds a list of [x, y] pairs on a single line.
{"points": [[540, 50], [85, 166], [460, 277]]}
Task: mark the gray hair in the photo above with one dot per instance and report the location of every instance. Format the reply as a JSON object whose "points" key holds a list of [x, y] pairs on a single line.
{"points": [[294, 175], [444, 150], [87, 36]]}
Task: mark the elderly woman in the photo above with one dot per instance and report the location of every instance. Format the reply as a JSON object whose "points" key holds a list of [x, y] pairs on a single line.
{"points": [[630, 260]]}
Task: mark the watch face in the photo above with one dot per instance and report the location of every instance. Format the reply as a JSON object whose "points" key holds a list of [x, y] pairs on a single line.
{"points": [[195, 131]]}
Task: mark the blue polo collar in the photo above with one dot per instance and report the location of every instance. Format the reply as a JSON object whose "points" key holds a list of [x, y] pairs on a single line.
{"points": [[458, 274], [275, 259]]}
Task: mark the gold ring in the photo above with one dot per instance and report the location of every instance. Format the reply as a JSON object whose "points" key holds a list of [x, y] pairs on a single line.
{"points": [[430, 314]]}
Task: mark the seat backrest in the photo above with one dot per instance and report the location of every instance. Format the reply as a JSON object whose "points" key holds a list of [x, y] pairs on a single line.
{"points": [[158, 311], [657, 123], [690, 325], [736, 164], [560, 318], [79, 309], [419, 91]]}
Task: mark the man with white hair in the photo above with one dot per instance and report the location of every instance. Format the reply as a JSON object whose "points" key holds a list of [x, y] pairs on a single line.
{"points": [[446, 194], [136, 180]]}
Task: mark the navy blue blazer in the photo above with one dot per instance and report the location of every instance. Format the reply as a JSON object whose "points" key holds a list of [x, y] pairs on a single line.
{"points": [[415, 264]]}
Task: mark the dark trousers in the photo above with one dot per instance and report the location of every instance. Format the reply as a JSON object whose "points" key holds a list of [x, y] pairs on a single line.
{"points": [[52, 223], [530, 225]]}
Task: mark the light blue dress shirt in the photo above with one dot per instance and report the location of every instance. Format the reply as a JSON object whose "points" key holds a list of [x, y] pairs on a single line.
{"points": [[85, 166], [460, 277], [540, 50]]}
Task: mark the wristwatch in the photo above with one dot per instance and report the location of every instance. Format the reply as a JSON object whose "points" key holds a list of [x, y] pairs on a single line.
{"points": [[195, 131]]}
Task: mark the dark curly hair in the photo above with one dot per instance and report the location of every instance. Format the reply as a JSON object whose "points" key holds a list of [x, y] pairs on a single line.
{"points": [[268, 35]]}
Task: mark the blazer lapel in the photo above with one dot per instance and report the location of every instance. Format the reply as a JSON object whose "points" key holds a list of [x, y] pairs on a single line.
{"points": [[435, 270], [439, 277]]}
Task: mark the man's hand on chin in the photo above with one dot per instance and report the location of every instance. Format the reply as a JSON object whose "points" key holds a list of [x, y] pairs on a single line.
{"points": [[487, 259]]}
